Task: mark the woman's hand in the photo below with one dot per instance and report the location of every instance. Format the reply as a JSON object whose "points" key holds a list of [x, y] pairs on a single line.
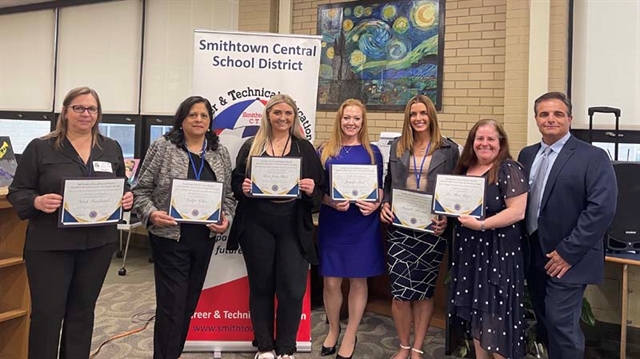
{"points": [[469, 222], [246, 186], [127, 201], [366, 208], [341, 206], [307, 185], [221, 227], [386, 215], [48, 203], [440, 225], [162, 219]]}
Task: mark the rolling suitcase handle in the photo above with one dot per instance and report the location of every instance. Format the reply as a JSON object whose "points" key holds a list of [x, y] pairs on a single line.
{"points": [[615, 135]]}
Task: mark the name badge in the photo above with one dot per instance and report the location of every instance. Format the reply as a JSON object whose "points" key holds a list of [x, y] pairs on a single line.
{"points": [[102, 166]]}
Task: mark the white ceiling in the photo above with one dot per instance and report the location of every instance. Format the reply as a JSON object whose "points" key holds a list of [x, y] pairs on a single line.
{"points": [[10, 3]]}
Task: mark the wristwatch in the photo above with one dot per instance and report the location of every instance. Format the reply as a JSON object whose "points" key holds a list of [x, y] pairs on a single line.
{"points": [[482, 226]]}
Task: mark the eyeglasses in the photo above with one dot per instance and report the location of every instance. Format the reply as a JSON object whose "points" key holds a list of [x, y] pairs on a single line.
{"points": [[80, 109]]}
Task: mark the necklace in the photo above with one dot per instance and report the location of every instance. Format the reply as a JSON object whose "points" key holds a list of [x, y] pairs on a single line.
{"points": [[348, 148], [283, 149]]}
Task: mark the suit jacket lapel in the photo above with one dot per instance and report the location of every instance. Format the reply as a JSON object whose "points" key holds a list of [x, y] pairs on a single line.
{"points": [[529, 157], [558, 164], [438, 158]]}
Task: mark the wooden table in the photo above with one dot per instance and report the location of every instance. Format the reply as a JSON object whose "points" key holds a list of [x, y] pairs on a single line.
{"points": [[626, 262]]}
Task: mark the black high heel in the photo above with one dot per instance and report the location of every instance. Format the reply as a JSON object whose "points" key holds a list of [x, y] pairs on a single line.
{"points": [[331, 350], [338, 356]]}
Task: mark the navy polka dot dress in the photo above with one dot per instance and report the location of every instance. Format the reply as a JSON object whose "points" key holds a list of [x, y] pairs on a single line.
{"points": [[487, 273]]}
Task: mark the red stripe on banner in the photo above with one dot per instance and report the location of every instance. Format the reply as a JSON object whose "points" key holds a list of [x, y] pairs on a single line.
{"points": [[222, 314]]}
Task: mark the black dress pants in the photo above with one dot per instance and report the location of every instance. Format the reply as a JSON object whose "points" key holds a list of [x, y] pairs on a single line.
{"points": [[558, 307], [275, 266], [64, 289], [180, 268]]}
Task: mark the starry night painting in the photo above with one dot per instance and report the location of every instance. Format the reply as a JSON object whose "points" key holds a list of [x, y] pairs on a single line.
{"points": [[381, 52]]}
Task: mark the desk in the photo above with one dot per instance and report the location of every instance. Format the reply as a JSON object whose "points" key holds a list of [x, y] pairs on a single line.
{"points": [[626, 261]]}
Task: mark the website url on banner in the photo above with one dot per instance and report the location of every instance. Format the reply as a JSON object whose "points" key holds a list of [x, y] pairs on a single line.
{"points": [[222, 328]]}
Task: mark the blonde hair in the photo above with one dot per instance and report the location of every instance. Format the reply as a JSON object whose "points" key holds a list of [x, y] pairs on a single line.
{"points": [[265, 130], [332, 147], [406, 139], [62, 124]]}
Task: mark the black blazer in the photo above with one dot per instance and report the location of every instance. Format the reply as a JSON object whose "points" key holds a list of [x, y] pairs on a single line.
{"points": [[577, 207], [311, 168], [40, 171]]}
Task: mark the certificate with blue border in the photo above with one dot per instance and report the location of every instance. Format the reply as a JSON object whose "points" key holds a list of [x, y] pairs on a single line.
{"points": [[354, 182], [275, 177], [91, 201], [412, 209], [457, 195], [193, 201]]}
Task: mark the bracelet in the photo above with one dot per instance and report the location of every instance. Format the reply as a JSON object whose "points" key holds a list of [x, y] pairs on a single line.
{"points": [[482, 226]]}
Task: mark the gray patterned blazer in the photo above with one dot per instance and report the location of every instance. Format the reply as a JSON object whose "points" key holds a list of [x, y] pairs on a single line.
{"points": [[165, 161]]}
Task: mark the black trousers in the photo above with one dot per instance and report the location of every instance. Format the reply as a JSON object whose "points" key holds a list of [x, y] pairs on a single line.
{"points": [[180, 268], [275, 266], [64, 289], [558, 307]]}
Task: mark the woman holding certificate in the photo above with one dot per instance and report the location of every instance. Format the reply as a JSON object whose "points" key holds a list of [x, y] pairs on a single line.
{"points": [[487, 269], [190, 158], [274, 225], [415, 252], [67, 266], [349, 240]]}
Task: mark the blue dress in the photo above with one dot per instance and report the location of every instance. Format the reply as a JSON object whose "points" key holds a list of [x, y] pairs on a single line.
{"points": [[349, 244]]}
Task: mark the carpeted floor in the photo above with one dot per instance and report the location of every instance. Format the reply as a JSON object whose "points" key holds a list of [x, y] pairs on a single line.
{"points": [[126, 303]]}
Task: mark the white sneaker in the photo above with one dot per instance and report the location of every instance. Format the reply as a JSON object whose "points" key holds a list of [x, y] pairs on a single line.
{"points": [[265, 355]]}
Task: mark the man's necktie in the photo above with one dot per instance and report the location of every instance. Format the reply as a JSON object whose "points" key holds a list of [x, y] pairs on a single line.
{"points": [[536, 191]]}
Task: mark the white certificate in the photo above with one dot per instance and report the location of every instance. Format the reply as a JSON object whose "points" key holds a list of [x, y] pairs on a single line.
{"points": [[91, 201], [275, 177], [354, 182], [412, 209], [195, 201], [457, 195]]}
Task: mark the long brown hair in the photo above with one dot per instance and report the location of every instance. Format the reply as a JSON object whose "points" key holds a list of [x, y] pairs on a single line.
{"points": [[468, 157], [332, 147], [406, 139], [60, 133]]}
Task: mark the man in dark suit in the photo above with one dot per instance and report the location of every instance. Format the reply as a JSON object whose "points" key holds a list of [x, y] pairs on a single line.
{"points": [[570, 207]]}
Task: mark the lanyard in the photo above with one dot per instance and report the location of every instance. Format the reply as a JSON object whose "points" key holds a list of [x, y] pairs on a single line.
{"points": [[197, 173], [417, 173], [283, 150]]}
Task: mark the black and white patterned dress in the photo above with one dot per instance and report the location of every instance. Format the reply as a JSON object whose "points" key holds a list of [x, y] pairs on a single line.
{"points": [[487, 272]]}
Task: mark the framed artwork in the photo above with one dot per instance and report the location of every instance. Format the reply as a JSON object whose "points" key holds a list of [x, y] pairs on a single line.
{"points": [[381, 52]]}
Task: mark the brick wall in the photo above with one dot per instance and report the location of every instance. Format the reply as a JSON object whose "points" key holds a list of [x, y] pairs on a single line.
{"points": [[476, 66], [516, 110], [258, 15], [558, 46]]}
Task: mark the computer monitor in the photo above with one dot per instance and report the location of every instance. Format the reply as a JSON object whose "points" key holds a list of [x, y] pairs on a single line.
{"points": [[24, 130], [124, 129], [154, 128]]}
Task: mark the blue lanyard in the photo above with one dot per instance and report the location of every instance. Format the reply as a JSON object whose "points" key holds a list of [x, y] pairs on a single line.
{"points": [[197, 173], [418, 174]]}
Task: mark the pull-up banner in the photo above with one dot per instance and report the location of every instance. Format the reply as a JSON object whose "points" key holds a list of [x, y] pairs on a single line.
{"points": [[238, 73]]}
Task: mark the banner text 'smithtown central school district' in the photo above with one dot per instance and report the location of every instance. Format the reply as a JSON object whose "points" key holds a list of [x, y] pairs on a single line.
{"points": [[239, 73]]}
